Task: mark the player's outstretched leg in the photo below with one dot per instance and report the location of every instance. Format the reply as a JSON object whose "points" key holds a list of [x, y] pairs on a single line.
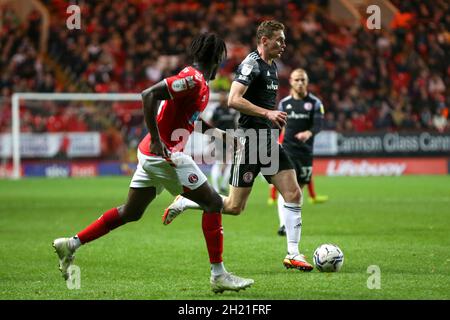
{"points": [[138, 200], [178, 206], [66, 247]]}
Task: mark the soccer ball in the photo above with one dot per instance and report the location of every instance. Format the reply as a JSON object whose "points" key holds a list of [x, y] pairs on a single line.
{"points": [[328, 258]]}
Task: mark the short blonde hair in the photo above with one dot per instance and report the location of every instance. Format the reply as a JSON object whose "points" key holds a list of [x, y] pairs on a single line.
{"points": [[299, 70], [267, 28]]}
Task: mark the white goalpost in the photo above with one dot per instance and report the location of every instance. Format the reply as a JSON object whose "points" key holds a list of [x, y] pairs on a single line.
{"points": [[15, 105], [17, 98]]}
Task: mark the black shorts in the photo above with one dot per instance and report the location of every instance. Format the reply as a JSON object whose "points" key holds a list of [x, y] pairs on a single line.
{"points": [[303, 165], [264, 155]]}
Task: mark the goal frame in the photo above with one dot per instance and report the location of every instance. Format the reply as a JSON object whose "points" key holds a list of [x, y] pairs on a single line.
{"points": [[15, 114]]}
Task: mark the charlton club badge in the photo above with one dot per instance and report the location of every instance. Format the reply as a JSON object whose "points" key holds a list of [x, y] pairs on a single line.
{"points": [[193, 178], [248, 177]]}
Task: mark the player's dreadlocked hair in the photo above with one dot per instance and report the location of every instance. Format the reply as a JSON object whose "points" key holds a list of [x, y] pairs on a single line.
{"points": [[208, 48]]}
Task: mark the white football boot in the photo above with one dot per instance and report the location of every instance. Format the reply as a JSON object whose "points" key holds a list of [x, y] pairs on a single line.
{"points": [[65, 255], [228, 281], [173, 210]]}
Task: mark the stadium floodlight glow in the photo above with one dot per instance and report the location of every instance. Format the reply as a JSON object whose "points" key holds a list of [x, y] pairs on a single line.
{"points": [[16, 97]]}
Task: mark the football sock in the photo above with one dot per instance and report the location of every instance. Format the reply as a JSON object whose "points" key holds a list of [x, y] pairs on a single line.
{"points": [[217, 269], [107, 222], [293, 222], [311, 191], [280, 204], [213, 232], [215, 174], [74, 243]]}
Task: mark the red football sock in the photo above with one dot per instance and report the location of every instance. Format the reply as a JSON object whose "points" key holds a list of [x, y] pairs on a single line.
{"points": [[107, 222], [273, 193], [213, 232], [311, 191]]}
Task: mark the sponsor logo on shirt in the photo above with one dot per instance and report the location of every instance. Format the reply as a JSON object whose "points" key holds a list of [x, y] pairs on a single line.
{"points": [[272, 86], [179, 85], [294, 115]]}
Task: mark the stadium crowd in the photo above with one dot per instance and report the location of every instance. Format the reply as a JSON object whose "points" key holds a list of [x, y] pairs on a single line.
{"points": [[388, 79]]}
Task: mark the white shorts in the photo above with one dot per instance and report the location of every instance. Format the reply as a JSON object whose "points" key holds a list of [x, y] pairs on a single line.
{"points": [[180, 174]]}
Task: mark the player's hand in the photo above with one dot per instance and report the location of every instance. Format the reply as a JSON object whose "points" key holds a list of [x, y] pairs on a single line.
{"points": [[304, 135], [277, 117], [159, 149]]}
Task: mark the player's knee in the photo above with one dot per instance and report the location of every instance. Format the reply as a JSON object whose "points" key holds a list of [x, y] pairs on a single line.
{"points": [[234, 210], [293, 196]]}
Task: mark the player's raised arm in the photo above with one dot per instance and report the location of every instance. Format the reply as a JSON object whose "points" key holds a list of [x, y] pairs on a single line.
{"points": [[151, 98], [237, 101]]}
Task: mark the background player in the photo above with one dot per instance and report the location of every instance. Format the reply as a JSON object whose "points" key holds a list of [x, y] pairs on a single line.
{"points": [[161, 165], [223, 118], [305, 114], [253, 93]]}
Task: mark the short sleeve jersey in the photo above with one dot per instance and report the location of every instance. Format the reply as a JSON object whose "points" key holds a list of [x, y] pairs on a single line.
{"points": [[262, 82], [190, 94], [224, 118], [302, 114]]}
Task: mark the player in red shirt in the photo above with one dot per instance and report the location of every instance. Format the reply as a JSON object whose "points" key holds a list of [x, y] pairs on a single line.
{"points": [[162, 165]]}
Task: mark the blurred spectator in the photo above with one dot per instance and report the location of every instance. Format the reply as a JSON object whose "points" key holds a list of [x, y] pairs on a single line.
{"points": [[389, 79]]}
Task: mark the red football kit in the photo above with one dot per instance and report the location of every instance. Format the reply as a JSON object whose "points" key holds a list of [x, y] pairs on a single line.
{"points": [[190, 94]]}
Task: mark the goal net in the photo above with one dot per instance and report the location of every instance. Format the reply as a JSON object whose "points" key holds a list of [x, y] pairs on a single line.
{"points": [[75, 134]]}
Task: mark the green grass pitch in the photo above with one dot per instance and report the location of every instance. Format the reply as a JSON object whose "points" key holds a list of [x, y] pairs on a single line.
{"points": [[400, 224]]}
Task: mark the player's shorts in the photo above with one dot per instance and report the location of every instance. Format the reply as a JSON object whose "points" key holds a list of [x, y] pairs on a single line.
{"points": [[244, 169], [178, 175], [303, 166]]}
